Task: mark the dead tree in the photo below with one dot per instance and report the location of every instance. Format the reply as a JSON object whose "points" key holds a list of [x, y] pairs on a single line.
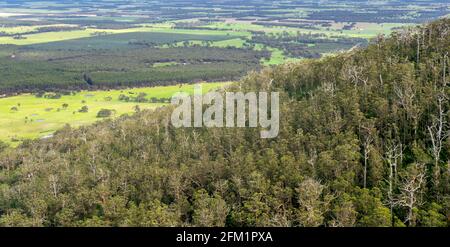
{"points": [[410, 189], [438, 132], [356, 76], [392, 156]]}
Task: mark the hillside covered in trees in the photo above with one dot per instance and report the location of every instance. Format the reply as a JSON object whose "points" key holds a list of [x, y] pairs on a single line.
{"points": [[363, 142]]}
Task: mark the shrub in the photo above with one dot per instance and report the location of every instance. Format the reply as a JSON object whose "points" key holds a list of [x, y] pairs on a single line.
{"points": [[53, 96], [104, 113], [84, 109]]}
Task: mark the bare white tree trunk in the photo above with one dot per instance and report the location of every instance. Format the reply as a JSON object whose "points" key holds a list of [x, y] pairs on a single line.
{"points": [[438, 132], [410, 189], [393, 154]]}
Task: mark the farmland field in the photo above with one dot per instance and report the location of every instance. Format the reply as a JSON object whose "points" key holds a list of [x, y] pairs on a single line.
{"points": [[28, 116], [123, 40], [53, 36], [83, 26]]}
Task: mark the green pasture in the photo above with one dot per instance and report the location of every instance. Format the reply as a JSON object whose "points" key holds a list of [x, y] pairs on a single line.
{"points": [[48, 37], [164, 64], [27, 116], [363, 30], [233, 42], [26, 29]]}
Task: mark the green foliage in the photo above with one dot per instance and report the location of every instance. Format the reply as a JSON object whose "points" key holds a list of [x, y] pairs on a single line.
{"points": [[15, 219], [84, 109], [3, 146], [312, 203], [209, 211], [151, 215], [141, 171], [432, 216], [104, 113], [126, 40], [371, 210], [62, 70]]}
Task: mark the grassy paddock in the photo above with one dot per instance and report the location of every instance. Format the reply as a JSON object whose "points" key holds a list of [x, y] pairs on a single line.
{"points": [[26, 116], [88, 32]]}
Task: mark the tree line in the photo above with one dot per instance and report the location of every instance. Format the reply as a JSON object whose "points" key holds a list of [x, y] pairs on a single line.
{"points": [[44, 69]]}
